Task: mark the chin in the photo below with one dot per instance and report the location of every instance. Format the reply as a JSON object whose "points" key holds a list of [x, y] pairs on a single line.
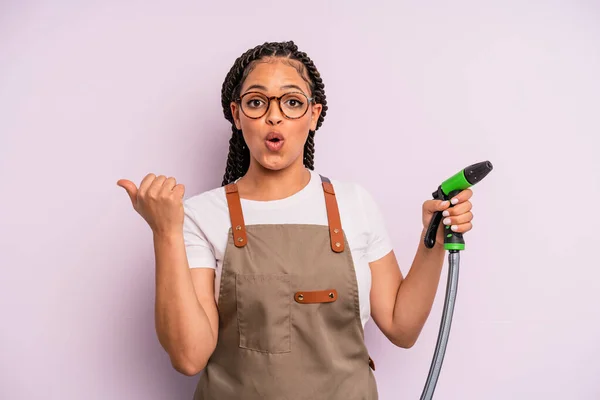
{"points": [[275, 163], [274, 166]]}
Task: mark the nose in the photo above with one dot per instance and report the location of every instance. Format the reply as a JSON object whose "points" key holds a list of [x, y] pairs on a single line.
{"points": [[274, 115]]}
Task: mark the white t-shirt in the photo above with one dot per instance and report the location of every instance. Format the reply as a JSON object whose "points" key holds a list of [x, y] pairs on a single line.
{"points": [[207, 223]]}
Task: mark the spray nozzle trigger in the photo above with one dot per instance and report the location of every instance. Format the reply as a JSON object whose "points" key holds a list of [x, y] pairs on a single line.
{"points": [[435, 220]]}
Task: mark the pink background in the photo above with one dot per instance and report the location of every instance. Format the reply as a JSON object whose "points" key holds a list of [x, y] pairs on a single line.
{"points": [[91, 92]]}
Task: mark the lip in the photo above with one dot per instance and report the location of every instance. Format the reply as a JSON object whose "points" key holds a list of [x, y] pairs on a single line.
{"points": [[274, 145], [274, 135]]}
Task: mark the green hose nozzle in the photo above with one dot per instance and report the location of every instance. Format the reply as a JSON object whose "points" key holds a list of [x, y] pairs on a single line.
{"points": [[452, 186]]}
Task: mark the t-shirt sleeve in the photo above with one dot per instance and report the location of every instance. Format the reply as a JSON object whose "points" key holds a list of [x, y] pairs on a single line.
{"points": [[378, 242], [200, 252]]}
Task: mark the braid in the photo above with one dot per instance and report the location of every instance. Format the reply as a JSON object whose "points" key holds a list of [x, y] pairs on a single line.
{"points": [[309, 151], [238, 159]]}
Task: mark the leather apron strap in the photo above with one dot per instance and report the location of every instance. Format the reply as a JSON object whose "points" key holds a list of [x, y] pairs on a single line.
{"points": [[333, 216], [237, 216]]}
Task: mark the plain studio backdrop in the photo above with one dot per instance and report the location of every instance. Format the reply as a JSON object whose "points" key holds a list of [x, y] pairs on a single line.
{"points": [[91, 92]]}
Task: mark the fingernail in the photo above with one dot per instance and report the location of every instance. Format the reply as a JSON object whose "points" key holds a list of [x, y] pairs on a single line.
{"points": [[454, 200], [444, 203], [447, 221], [454, 227], [446, 213]]}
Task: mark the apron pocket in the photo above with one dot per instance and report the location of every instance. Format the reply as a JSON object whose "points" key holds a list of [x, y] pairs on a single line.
{"points": [[263, 312]]}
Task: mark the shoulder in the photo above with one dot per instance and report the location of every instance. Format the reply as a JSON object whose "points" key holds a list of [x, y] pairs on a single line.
{"points": [[357, 202], [206, 206], [352, 193], [208, 198], [354, 201]]}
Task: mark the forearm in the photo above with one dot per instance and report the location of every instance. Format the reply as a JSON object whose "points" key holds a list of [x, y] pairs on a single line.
{"points": [[182, 326], [417, 292]]}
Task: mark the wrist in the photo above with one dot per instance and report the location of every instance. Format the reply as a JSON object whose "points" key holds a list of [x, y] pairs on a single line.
{"points": [[167, 236]]}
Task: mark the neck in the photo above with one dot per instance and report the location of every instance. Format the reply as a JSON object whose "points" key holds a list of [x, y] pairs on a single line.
{"points": [[263, 184]]}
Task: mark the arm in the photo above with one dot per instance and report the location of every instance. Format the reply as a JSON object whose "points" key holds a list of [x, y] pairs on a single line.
{"points": [[400, 306], [185, 310]]}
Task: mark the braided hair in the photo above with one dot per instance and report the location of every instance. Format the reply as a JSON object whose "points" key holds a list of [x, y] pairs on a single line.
{"points": [[238, 159]]}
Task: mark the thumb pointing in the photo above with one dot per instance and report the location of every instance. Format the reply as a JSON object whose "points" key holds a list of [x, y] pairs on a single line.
{"points": [[130, 188]]}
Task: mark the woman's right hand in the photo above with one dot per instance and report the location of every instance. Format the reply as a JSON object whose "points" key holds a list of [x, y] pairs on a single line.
{"points": [[159, 201]]}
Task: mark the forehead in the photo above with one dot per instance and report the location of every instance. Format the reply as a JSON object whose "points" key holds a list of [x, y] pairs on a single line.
{"points": [[274, 73]]}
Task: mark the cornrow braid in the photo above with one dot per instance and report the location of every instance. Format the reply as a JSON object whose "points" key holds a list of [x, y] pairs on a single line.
{"points": [[238, 159]]}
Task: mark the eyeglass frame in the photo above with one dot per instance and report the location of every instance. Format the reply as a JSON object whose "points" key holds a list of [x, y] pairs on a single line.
{"points": [[309, 100]]}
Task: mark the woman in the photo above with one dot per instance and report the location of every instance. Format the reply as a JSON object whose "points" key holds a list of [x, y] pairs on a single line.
{"points": [[267, 282]]}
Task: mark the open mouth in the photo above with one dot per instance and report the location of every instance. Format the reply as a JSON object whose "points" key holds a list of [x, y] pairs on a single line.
{"points": [[274, 137], [274, 141]]}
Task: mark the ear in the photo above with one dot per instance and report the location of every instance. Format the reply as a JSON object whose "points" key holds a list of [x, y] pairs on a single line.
{"points": [[235, 112], [315, 114]]}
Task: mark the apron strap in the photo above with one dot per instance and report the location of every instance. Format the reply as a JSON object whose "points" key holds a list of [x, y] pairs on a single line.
{"points": [[333, 216], [235, 213]]}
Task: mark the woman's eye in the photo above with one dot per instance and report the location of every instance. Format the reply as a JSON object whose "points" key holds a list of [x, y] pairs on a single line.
{"points": [[294, 103], [254, 103]]}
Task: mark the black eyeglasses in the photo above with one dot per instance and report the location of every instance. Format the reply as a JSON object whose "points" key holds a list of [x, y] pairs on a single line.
{"points": [[293, 105]]}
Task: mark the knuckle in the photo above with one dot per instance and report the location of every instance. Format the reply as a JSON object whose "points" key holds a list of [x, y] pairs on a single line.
{"points": [[153, 192], [149, 178]]}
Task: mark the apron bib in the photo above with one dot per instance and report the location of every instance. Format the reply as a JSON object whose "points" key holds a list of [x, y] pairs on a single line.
{"points": [[289, 318]]}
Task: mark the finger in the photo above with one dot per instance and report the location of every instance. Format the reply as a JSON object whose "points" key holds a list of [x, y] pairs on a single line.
{"points": [[130, 188], [462, 228], [458, 219], [435, 205], [146, 182], [462, 196], [179, 190], [156, 185], [458, 209], [169, 184]]}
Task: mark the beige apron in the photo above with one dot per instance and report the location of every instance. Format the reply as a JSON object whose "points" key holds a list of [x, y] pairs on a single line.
{"points": [[289, 318]]}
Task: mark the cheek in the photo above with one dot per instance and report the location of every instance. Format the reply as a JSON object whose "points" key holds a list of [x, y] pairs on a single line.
{"points": [[251, 128], [305, 124], [300, 130]]}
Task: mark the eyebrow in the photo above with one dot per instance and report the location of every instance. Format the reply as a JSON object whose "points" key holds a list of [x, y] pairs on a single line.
{"points": [[261, 87]]}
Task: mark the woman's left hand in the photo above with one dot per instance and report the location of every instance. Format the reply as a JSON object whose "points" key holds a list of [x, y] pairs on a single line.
{"points": [[458, 217]]}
